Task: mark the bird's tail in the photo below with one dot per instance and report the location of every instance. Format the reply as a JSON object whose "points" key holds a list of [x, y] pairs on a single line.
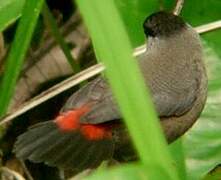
{"points": [[66, 143]]}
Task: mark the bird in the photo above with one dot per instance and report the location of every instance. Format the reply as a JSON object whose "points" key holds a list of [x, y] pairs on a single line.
{"points": [[89, 128]]}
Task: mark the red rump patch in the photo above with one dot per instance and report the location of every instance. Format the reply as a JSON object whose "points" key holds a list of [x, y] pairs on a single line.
{"points": [[96, 132], [70, 121]]}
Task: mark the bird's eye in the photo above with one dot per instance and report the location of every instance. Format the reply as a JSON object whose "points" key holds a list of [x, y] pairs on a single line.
{"points": [[149, 31]]}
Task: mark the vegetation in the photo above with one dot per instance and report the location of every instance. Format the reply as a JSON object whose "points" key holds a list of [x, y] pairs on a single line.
{"points": [[115, 27]]}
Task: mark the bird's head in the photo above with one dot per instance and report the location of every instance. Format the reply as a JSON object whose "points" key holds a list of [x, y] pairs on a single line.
{"points": [[163, 24]]}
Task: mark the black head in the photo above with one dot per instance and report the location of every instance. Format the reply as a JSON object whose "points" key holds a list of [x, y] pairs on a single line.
{"points": [[162, 24]]}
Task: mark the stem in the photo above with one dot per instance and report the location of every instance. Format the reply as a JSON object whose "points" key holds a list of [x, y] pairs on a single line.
{"points": [[178, 7], [84, 75], [54, 90], [208, 27]]}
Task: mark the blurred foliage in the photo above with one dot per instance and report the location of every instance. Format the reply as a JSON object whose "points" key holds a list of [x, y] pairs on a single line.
{"points": [[202, 144], [113, 48], [132, 172], [10, 11], [133, 14], [17, 52], [214, 175]]}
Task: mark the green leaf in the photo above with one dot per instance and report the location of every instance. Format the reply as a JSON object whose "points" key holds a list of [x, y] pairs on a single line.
{"points": [[203, 147], [113, 47], [202, 144], [176, 150], [131, 172], [133, 14], [214, 175], [18, 50], [10, 11]]}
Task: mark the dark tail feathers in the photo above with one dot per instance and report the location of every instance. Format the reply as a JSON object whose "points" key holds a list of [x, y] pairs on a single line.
{"points": [[45, 142]]}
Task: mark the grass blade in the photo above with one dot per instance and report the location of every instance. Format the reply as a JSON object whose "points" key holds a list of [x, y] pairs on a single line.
{"points": [[113, 47], [18, 50]]}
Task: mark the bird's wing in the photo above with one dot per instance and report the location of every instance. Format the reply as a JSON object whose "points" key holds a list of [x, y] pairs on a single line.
{"points": [[173, 93], [98, 96]]}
